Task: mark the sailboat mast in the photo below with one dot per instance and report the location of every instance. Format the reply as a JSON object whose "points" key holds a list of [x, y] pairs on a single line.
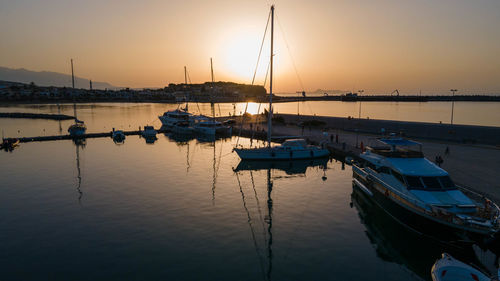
{"points": [[212, 71], [72, 75], [185, 76], [211, 99], [270, 115]]}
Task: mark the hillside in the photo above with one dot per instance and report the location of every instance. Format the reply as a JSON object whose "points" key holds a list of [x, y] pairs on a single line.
{"points": [[48, 78]]}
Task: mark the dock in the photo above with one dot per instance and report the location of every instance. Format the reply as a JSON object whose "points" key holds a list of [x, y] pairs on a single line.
{"points": [[84, 136], [36, 116], [472, 164]]}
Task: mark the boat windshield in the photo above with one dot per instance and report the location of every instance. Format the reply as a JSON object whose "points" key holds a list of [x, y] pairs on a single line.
{"points": [[430, 183]]}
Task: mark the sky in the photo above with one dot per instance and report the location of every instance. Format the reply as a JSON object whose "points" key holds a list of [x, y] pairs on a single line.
{"points": [[377, 46]]}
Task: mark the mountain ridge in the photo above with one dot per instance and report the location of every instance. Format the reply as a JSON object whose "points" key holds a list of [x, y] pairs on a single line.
{"points": [[48, 78]]}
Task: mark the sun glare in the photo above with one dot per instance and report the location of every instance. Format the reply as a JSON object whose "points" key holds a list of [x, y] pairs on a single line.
{"points": [[240, 56]]}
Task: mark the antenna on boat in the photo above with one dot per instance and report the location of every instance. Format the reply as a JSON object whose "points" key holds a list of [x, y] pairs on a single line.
{"points": [[72, 75], [270, 117]]}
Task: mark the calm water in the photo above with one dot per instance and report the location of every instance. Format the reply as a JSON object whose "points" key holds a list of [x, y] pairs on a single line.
{"points": [[189, 210]]}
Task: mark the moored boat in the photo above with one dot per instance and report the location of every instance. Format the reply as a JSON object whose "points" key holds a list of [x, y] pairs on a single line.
{"points": [[149, 132], [118, 136], [413, 189], [77, 129], [447, 268], [172, 117]]}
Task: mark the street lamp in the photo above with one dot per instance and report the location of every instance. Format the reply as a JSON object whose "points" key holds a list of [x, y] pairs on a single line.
{"points": [[360, 92], [452, 103]]}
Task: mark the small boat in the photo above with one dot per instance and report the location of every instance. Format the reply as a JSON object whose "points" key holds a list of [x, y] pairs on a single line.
{"points": [[413, 189], [290, 149], [77, 129], [9, 144], [118, 136], [448, 268], [149, 132]]}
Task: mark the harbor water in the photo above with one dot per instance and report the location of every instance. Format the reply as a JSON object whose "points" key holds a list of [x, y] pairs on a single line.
{"points": [[189, 209]]}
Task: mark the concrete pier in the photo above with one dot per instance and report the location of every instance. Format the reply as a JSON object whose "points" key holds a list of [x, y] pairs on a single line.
{"points": [[474, 166]]}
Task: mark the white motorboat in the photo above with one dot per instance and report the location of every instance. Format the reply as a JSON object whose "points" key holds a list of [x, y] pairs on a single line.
{"points": [[290, 149], [413, 189], [448, 268], [172, 117]]}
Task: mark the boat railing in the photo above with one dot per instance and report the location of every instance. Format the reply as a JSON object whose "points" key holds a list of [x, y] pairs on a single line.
{"points": [[487, 209]]}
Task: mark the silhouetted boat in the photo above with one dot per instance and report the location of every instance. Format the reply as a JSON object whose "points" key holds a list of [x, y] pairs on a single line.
{"points": [[118, 136], [9, 144]]}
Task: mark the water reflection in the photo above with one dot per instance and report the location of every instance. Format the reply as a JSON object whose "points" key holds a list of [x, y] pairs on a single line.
{"points": [[79, 143], [296, 167], [398, 244]]}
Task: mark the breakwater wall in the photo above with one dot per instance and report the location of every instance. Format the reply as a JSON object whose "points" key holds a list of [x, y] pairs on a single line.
{"points": [[445, 132]]}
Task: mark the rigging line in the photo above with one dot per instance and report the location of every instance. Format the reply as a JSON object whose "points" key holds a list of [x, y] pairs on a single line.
{"points": [[267, 73], [241, 124], [261, 46], [254, 74], [290, 54], [255, 124], [249, 221], [189, 78], [258, 208], [197, 105]]}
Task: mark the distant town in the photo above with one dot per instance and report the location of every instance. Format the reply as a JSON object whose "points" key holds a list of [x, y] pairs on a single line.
{"points": [[206, 92], [16, 92]]}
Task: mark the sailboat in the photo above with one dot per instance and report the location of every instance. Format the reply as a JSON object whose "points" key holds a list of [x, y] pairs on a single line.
{"points": [[291, 149], [79, 127], [212, 127], [178, 116]]}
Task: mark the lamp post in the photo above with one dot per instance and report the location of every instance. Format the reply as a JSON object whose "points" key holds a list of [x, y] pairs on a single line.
{"points": [[452, 103], [360, 92]]}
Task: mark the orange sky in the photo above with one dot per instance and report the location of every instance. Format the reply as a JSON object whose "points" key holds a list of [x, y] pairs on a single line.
{"points": [[377, 46]]}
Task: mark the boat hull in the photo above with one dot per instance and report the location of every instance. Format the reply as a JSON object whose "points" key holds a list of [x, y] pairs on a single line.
{"points": [[211, 131], [274, 154], [411, 218]]}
